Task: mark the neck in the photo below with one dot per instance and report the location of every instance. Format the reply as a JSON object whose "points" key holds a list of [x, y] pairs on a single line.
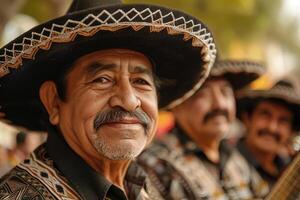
{"points": [[112, 170], [265, 159], [210, 147]]}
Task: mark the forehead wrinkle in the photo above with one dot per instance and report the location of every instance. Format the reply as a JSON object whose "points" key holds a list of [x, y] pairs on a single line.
{"points": [[97, 66], [141, 70]]}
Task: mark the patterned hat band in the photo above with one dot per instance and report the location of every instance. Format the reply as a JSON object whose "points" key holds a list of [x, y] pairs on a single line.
{"points": [[237, 66], [12, 57], [282, 92], [239, 73]]}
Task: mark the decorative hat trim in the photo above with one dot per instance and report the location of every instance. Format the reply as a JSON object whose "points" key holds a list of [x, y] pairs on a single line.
{"points": [[189, 93], [236, 67], [279, 91], [119, 19]]}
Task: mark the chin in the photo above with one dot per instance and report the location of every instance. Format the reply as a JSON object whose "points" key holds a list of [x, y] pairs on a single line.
{"points": [[122, 150], [123, 153]]}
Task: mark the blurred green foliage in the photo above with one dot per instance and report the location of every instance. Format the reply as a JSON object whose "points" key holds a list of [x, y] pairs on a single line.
{"points": [[229, 20], [246, 21], [40, 10]]}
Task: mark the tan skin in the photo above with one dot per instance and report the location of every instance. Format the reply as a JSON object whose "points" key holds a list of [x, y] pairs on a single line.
{"points": [[125, 81], [214, 94], [277, 120]]}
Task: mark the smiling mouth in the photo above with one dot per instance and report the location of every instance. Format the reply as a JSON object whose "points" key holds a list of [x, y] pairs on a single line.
{"points": [[124, 123]]}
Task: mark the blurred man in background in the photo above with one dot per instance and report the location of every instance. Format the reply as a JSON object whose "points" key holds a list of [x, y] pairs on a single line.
{"points": [[25, 144], [194, 161], [271, 118], [4, 164]]}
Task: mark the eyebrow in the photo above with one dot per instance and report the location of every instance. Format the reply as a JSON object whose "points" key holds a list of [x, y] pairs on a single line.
{"points": [[98, 66], [141, 70]]}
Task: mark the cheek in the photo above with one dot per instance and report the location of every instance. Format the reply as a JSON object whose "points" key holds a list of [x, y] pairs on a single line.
{"points": [[85, 108], [285, 132], [258, 122], [254, 126], [232, 112], [198, 108], [231, 108], [198, 114], [149, 105], [192, 114]]}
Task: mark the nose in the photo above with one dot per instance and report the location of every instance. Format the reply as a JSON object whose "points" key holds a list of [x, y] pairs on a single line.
{"points": [[218, 100], [273, 125], [125, 97]]}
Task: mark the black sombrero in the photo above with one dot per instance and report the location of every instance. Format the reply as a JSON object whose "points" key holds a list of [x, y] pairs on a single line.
{"points": [[181, 47], [239, 73], [284, 92]]}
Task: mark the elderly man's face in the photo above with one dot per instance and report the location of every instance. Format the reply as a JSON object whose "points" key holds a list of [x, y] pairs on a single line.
{"points": [[269, 126], [111, 104], [209, 112]]}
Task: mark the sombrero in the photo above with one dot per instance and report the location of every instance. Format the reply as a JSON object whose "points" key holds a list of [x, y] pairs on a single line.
{"points": [[239, 73], [284, 92], [180, 46]]}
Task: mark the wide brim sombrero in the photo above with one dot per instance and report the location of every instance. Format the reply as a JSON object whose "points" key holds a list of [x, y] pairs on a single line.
{"points": [[283, 92], [180, 46], [239, 73]]}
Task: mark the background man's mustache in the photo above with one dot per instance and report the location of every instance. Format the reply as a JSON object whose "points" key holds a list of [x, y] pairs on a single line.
{"points": [[117, 114], [214, 113], [267, 132]]}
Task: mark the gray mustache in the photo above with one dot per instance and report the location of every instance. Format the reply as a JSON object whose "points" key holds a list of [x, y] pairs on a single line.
{"points": [[118, 114]]}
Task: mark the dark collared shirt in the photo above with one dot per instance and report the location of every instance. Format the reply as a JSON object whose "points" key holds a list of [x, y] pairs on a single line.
{"points": [[54, 171], [181, 170], [279, 162]]}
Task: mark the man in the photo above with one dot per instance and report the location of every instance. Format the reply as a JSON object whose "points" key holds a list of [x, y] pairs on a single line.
{"points": [[4, 164], [193, 161], [270, 117], [91, 79], [25, 144]]}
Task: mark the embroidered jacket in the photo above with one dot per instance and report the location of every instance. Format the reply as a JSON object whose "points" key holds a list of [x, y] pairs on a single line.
{"points": [[180, 170], [55, 172], [279, 162]]}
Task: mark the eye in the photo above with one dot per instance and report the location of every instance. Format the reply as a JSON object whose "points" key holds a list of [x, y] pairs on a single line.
{"points": [[101, 79], [142, 84], [227, 91], [141, 81], [264, 113], [203, 92], [285, 120]]}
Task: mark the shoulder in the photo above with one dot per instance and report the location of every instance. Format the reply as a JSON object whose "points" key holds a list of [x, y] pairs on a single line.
{"points": [[20, 184], [36, 178], [164, 147], [160, 162]]}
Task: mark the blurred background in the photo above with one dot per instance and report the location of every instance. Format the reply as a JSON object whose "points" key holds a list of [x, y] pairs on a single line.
{"points": [[266, 31]]}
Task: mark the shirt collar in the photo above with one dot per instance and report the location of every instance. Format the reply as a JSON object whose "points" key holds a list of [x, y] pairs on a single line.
{"points": [[246, 153], [279, 162], [85, 180], [191, 147]]}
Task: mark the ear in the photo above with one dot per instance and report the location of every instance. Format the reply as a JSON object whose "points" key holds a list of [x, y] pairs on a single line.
{"points": [[50, 100]]}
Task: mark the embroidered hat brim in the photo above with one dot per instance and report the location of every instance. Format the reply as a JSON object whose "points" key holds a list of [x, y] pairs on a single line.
{"points": [[180, 46], [239, 73]]}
